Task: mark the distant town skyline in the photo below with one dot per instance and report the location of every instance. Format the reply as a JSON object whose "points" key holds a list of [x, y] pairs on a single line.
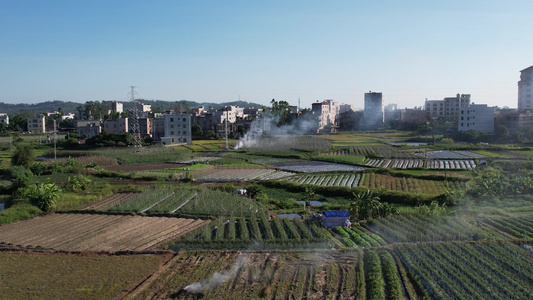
{"points": [[212, 51]]}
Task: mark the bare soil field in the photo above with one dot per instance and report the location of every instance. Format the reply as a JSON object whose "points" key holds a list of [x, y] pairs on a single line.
{"points": [[53, 275], [145, 167], [96, 232]]}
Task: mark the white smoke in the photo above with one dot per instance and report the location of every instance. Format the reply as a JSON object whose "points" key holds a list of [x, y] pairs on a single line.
{"points": [[266, 126], [218, 278]]}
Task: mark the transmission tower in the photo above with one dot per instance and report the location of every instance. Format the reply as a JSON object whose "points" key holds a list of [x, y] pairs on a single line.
{"points": [[135, 131]]}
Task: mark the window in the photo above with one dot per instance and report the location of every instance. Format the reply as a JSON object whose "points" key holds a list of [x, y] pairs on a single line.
{"points": [[183, 119], [171, 119], [172, 133], [171, 125]]}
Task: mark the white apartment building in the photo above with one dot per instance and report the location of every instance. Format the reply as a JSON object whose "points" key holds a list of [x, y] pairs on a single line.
{"points": [[177, 128], [478, 117], [525, 94], [36, 125], [326, 112], [231, 113], [116, 106], [4, 118]]}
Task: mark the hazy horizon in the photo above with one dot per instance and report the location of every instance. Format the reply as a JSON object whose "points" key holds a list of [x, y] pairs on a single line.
{"points": [[210, 51]]}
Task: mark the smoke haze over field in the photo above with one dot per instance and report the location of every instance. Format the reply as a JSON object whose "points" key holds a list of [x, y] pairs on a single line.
{"points": [[218, 278], [265, 126]]}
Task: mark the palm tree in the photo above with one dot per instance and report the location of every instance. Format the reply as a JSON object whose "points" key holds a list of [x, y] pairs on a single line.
{"points": [[365, 205]]}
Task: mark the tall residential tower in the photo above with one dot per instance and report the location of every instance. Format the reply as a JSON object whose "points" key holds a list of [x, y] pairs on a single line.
{"points": [[525, 98]]}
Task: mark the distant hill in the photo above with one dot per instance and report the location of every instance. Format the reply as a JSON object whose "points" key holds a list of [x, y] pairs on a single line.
{"points": [[69, 106], [48, 106]]}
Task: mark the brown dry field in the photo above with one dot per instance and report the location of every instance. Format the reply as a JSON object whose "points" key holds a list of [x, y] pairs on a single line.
{"points": [[56, 275], [145, 167], [96, 232]]}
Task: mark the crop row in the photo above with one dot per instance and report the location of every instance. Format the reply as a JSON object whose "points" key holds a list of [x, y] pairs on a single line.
{"points": [[378, 151], [395, 163], [357, 236], [238, 174], [341, 179], [283, 144], [257, 230], [217, 203], [88, 232], [418, 227], [278, 275], [451, 164], [490, 270], [154, 200], [316, 166], [406, 184], [518, 227], [419, 163]]}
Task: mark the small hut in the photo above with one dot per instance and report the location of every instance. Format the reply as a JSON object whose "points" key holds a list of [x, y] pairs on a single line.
{"points": [[334, 218]]}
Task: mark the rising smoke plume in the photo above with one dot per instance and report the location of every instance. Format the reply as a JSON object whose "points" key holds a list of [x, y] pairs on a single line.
{"points": [[266, 126], [218, 278]]}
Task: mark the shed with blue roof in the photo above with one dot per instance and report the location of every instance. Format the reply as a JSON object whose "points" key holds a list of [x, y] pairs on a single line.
{"points": [[334, 218]]}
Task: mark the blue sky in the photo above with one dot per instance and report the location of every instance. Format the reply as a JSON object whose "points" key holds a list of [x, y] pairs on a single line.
{"points": [[218, 51]]}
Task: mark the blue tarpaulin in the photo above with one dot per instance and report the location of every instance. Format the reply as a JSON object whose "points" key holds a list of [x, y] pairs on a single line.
{"points": [[336, 213]]}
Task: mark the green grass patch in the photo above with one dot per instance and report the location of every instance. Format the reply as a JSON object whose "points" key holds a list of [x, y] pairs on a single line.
{"points": [[18, 212]]}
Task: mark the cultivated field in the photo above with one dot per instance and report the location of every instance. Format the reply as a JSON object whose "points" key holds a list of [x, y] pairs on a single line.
{"points": [[51, 275], [407, 184], [95, 232]]}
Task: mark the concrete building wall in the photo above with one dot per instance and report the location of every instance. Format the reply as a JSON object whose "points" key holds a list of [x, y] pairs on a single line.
{"points": [[525, 90], [118, 126], [478, 117], [36, 125], [88, 127], [177, 128], [373, 114]]}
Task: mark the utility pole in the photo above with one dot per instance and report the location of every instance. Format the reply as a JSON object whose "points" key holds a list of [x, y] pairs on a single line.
{"points": [[55, 141], [226, 128], [134, 120]]}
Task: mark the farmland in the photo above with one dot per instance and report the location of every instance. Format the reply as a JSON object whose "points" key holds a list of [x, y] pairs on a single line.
{"points": [[52, 275], [170, 221], [327, 179], [407, 184], [96, 232]]}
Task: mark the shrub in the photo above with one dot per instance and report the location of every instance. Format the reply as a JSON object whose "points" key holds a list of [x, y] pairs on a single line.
{"points": [[20, 176], [23, 156], [17, 212], [44, 195]]}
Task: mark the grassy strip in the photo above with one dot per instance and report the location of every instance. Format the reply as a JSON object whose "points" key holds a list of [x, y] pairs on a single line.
{"points": [[18, 212]]}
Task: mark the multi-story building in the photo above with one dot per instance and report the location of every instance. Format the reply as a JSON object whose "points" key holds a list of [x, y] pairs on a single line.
{"points": [[36, 125], [4, 118], [116, 106], [326, 112], [414, 115], [435, 108], [116, 126], [88, 127], [525, 95], [478, 117], [448, 108], [346, 108], [373, 113], [231, 113], [145, 127], [177, 129], [158, 128]]}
